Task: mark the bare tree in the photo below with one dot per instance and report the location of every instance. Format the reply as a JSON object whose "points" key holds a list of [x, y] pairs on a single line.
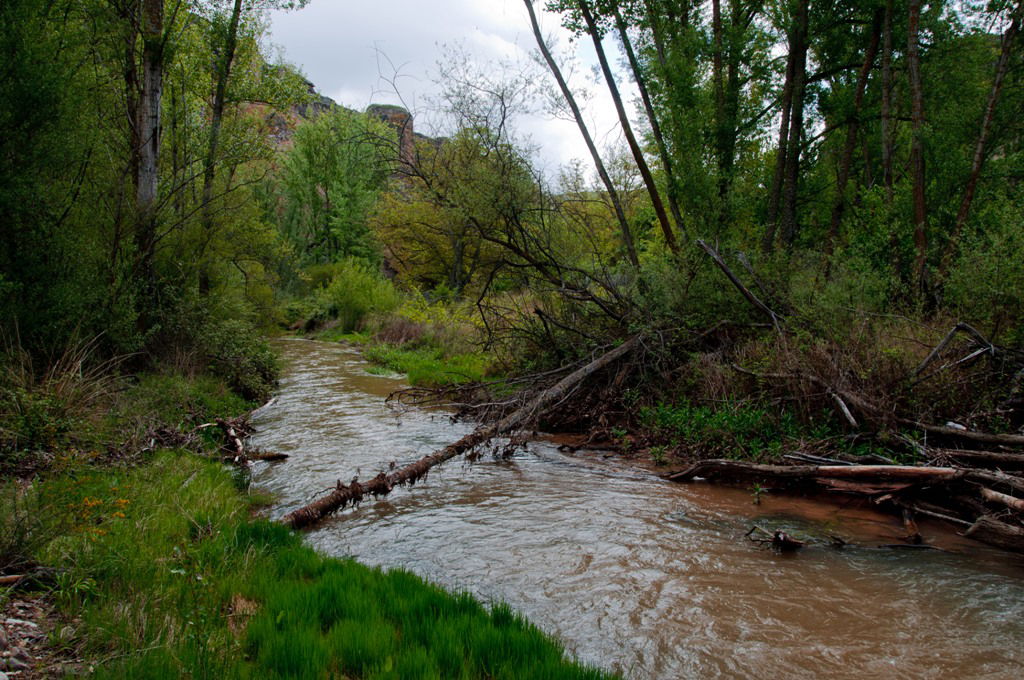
{"points": [[570, 100], [627, 128]]}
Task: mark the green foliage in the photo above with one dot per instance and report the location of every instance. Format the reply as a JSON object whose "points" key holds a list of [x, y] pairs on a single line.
{"points": [[169, 399], [25, 527], [46, 409], [430, 365], [356, 290], [736, 430], [329, 182], [987, 281], [241, 357]]}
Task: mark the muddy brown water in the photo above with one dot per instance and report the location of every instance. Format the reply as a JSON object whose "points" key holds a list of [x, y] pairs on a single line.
{"points": [[646, 577]]}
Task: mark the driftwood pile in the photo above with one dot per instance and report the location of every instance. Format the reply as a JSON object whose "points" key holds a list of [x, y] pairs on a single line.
{"points": [[987, 504], [233, 449], [975, 483]]}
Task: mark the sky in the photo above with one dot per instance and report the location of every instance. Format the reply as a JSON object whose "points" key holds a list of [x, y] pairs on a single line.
{"points": [[345, 46]]}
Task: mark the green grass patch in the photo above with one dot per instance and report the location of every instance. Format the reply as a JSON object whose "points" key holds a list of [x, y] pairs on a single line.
{"points": [[176, 399], [733, 429], [429, 366], [169, 577]]}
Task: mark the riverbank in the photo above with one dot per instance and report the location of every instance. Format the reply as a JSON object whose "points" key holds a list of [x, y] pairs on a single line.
{"points": [[144, 561], [165, 574], [790, 424]]}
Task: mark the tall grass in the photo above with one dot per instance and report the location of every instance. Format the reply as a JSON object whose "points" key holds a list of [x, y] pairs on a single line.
{"points": [[49, 404], [160, 556]]}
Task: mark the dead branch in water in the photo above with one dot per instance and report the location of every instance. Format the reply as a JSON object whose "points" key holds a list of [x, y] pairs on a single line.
{"points": [[383, 483], [982, 501]]}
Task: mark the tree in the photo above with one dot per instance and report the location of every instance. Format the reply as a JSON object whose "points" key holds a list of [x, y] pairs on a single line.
{"points": [[329, 182]]}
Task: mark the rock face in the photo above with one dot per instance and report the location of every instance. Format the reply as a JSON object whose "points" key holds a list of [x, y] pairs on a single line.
{"points": [[401, 121], [281, 125]]}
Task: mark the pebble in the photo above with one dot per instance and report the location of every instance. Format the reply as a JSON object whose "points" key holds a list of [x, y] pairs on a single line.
{"points": [[4, 643]]}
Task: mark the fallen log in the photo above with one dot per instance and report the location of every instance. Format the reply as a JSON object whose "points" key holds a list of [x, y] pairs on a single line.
{"points": [[383, 483], [1003, 499], [719, 469], [989, 530], [267, 456], [983, 437], [1011, 461]]}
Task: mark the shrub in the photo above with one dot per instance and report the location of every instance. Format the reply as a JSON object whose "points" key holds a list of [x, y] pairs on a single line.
{"points": [[355, 292], [241, 357], [986, 283]]}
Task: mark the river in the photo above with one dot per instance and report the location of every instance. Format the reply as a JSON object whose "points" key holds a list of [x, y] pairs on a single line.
{"points": [[632, 573]]}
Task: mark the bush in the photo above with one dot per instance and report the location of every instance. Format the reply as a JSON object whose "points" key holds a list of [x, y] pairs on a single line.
{"points": [[241, 357], [986, 283], [355, 292], [736, 430]]}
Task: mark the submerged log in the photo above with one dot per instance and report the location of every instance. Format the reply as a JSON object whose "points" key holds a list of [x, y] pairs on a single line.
{"points": [[383, 483]]}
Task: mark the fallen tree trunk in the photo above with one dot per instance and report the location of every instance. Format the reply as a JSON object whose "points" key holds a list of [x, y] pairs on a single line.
{"points": [[383, 483], [992, 531], [983, 437], [944, 493], [1003, 499], [724, 469], [1012, 461]]}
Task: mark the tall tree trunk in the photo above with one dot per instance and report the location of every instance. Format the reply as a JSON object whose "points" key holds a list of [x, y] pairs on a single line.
{"points": [[717, 73], [570, 100], [789, 218], [148, 131], [738, 23], [917, 146], [851, 130], [659, 139], [887, 101], [216, 116], [627, 129], [978, 161], [132, 87], [782, 152], [721, 124]]}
